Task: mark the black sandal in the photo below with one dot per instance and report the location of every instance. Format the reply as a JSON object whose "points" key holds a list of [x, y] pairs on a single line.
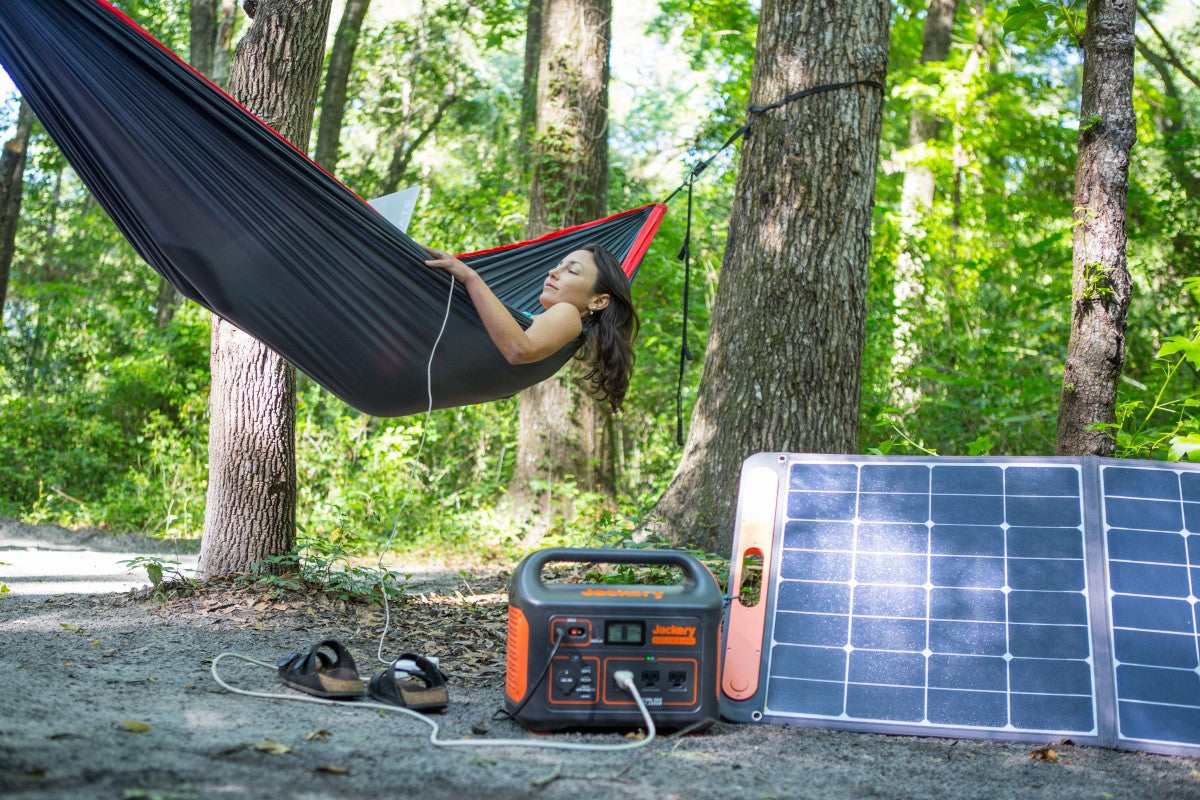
{"points": [[421, 687], [315, 673]]}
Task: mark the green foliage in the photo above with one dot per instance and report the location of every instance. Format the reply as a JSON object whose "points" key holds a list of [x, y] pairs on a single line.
{"points": [[1162, 421], [1046, 16], [326, 563]]}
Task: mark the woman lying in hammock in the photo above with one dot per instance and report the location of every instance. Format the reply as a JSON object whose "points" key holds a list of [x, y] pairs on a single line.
{"points": [[586, 294]]}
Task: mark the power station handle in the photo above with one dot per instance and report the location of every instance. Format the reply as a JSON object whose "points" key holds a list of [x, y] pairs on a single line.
{"points": [[529, 571]]}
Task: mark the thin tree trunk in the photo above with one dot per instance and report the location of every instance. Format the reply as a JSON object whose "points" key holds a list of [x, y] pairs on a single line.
{"points": [[1100, 284], [559, 431], [203, 40], [222, 47], [916, 199], [12, 183], [251, 507], [783, 366], [533, 44], [337, 77]]}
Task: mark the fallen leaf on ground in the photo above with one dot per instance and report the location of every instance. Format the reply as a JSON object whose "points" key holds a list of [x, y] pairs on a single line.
{"points": [[332, 769], [134, 726], [321, 735], [71, 628], [272, 747]]}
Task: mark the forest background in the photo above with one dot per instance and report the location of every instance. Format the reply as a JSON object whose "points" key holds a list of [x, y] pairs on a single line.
{"points": [[103, 400]]}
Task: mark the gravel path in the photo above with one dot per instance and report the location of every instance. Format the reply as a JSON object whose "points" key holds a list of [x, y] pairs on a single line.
{"points": [[109, 695]]}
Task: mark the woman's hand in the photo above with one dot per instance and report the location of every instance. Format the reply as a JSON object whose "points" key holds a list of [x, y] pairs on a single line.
{"points": [[443, 260]]}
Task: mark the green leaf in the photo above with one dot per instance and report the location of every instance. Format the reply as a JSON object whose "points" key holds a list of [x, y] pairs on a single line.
{"points": [[1190, 348], [1026, 13], [1185, 448], [980, 446]]}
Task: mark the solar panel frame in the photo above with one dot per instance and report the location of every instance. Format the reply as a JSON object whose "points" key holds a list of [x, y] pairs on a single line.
{"points": [[1052, 640]]}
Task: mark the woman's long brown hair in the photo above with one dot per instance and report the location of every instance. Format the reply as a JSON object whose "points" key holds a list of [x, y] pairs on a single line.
{"points": [[609, 333]]}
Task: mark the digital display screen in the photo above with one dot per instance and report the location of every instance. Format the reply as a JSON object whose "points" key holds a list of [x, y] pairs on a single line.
{"points": [[618, 632]]}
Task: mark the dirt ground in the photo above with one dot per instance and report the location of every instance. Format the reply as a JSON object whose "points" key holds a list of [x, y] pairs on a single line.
{"points": [[108, 694]]}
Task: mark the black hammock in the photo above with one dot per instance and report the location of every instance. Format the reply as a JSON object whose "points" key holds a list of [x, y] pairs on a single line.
{"points": [[247, 226]]}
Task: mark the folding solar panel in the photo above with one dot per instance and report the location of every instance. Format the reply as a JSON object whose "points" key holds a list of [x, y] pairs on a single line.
{"points": [[1005, 598]]}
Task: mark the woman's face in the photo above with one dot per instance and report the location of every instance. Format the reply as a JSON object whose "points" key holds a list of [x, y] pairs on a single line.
{"points": [[571, 282]]}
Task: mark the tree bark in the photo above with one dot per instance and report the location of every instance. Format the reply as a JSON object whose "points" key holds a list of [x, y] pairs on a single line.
{"points": [[1100, 284], [12, 183], [251, 505], [560, 426], [782, 369], [533, 44], [203, 17], [337, 77]]}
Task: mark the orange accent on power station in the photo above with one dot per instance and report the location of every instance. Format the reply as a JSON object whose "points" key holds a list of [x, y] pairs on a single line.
{"points": [[743, 645], [517, 661]]}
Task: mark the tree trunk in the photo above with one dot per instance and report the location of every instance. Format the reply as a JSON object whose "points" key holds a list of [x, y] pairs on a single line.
{"points": [[559, 432], [782, 369], [222, 55], [337, 76], [916, 199], [203, 42], [1100, 284], [528, 121], [12, 182], [251, 507]]}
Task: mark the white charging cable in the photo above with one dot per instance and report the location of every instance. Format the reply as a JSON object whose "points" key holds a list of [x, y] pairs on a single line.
{"points": [[412, 477], [623, 678]]}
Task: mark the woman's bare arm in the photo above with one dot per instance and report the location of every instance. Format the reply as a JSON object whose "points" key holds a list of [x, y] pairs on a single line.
{"points": [[550, 331]]}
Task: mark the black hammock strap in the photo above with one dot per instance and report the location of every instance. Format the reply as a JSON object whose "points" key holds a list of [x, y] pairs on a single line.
{"points": [[250, 228]]}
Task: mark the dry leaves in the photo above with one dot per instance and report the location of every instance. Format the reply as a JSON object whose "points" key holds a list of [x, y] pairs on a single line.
{"points": [[332, 769], [272, 747], [321, 735], [1051, 752], [134, 726]]}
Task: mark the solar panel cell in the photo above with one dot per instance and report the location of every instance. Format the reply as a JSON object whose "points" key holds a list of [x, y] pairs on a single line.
{"points": [[893, 538], [1044, 573], [1153, 515], [966, 509], [966, 604], [1047, 511], [974, 709], [906, 704], [1039, 542], [819, 536], [893, 479], [893, 508], [1057, 714]]}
